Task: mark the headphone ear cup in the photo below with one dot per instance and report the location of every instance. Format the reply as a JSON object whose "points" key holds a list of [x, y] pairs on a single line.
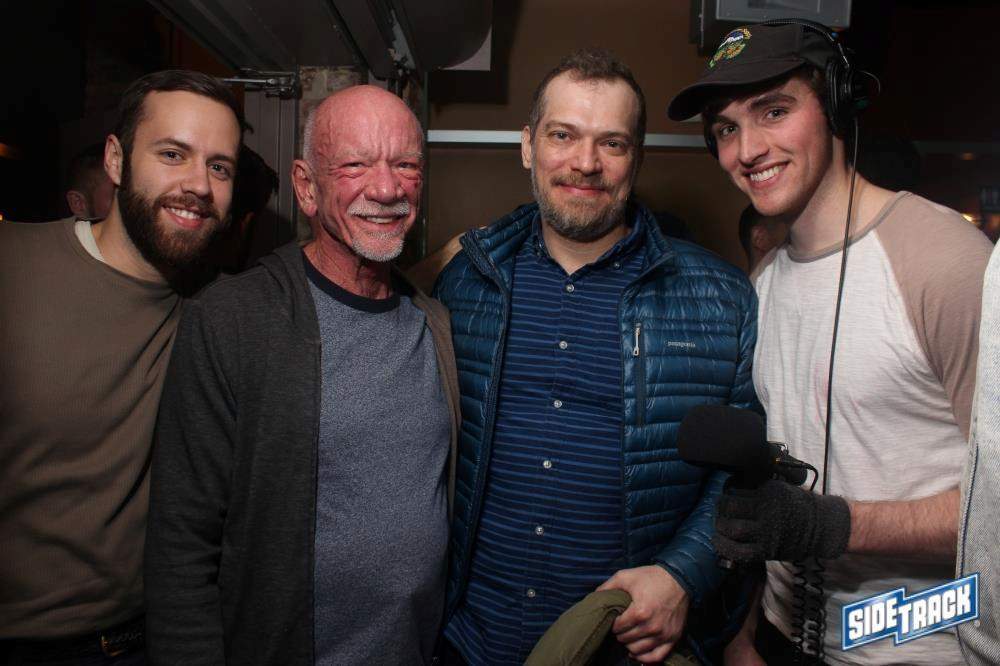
{"points": [[846, 96], [835, 96], [858, 93]]}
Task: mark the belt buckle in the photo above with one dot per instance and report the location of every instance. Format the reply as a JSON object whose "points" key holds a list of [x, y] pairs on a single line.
{"points": [[110, 649]]}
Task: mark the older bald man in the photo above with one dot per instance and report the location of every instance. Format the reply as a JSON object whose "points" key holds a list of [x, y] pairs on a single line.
{"points": [[300, 481]]}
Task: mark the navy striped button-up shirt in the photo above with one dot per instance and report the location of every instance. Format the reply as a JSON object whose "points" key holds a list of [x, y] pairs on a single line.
{"points": [[551, 524]]}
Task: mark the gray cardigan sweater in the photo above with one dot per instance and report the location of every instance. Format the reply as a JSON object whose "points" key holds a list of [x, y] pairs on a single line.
{"points": [[229, 546], [979, 528]]}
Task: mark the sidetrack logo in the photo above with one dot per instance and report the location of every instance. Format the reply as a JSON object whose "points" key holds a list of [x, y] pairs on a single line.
{"points": [[908, 618]]}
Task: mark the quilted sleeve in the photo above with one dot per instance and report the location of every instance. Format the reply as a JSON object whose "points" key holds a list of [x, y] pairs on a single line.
{"points": [[690, 557]]}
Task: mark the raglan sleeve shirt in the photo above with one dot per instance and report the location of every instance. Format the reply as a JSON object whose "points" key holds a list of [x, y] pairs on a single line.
{"points": [[941, 284]]}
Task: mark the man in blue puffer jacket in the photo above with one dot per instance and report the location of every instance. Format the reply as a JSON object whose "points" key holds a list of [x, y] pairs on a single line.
{"points": [[582, 337]]}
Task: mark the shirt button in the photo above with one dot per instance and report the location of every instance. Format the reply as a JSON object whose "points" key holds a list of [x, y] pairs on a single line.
{"points": [[539, 530], [563, 344], [530, 593], [618, 264], [547, 464], [570, 288], [557, 403]]}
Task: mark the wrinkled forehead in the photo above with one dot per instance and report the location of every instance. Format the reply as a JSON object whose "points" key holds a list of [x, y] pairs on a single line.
{"points": [[369, 133], [609, 102]]}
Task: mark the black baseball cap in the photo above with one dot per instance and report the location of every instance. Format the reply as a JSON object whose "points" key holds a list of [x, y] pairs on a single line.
{"points": [[752, 54]]}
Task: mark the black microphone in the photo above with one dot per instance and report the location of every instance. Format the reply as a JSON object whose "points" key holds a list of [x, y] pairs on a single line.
{"points": [[734, 440]]}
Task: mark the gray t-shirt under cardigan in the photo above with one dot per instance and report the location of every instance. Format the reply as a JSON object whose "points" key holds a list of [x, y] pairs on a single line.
{"points": [[381, 502]]}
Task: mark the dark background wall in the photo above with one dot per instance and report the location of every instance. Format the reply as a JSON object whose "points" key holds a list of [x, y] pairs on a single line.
{"points": [[471, 186], [64, 63], [935, 60]]}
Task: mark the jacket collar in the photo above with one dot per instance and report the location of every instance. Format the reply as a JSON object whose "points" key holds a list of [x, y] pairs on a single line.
{"points": [[630, 243], [494, 248], [285, 267]]}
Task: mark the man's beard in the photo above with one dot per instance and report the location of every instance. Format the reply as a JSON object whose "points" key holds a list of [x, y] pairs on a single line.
{"points": [[583, 222], [363, 208], [362, 250], [176, 253]]}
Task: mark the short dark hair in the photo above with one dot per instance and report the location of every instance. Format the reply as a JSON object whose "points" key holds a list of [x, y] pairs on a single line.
{"points": [[130, 109], [255, 184], [85, 168], [591, 64]]}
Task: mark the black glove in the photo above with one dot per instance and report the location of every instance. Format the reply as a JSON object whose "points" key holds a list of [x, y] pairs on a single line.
{"points": [[779, 521]]}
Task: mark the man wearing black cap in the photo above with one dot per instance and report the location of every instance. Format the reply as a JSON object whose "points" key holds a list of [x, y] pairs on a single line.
{"points": [[778, 102]]}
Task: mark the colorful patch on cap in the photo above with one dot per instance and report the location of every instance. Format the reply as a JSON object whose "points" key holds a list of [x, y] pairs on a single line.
{"points": [[731, 46]]}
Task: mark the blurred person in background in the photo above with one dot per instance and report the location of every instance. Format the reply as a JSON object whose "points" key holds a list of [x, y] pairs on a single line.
{"points": [[255, 184], [979, 528], [90, 191], [759, 235]]}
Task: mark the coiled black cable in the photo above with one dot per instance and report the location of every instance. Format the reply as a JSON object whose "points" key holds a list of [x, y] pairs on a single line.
{"points": [[809, 611]]}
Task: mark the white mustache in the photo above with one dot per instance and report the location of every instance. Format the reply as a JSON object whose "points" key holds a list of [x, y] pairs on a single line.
{"points": [[401, 209]]}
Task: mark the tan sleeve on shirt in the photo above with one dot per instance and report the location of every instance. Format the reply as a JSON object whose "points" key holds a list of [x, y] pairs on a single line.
{"points": [[939, 260]]}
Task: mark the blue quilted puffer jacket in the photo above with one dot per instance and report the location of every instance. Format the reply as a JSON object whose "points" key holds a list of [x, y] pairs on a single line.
{"points": [[688, 327]]}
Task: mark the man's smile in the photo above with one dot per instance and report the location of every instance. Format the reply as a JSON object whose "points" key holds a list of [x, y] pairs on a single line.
{"points": [[186, 217]]}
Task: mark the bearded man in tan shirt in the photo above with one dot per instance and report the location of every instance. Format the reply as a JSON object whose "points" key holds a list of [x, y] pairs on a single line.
{"points": [[88, 318]]}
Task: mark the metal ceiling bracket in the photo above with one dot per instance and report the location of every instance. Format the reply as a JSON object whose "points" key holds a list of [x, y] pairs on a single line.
{"points": [[400, 49], [285, 85]]}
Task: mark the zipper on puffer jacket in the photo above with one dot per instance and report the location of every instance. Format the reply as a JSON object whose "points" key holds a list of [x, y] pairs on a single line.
{"points": [[489, 270], [640, 376]]}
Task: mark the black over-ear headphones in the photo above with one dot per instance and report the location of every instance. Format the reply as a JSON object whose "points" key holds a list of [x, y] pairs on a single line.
{"points": [[846, 96]]}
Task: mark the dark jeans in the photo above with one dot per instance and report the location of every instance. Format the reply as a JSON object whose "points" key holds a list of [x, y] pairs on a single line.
{"points": [[775, 648], [450, 656], [14, 657], [680, 657], [87, 650]]}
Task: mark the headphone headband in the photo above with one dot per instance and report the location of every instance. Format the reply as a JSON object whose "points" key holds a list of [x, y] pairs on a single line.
{"points": [[828, 34]]}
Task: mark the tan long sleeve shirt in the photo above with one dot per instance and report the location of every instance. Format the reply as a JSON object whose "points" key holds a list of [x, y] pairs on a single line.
{"points": [[83, 352]]}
